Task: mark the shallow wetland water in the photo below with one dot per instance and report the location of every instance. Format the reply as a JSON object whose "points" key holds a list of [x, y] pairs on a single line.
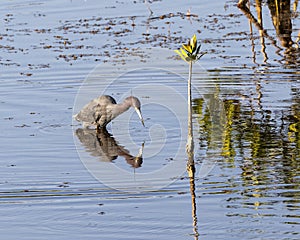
{"points": [[59, 181]]}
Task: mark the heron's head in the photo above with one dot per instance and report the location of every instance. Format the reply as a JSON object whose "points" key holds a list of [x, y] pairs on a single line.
{"points": [[136, 104]]}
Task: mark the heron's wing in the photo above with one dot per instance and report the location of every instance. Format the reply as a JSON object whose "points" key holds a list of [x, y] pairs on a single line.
{"points": [[87, 113], [97, 111], [101, 115]]}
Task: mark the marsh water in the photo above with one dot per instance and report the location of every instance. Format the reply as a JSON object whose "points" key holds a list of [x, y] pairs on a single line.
{"points": [[60, 181]]}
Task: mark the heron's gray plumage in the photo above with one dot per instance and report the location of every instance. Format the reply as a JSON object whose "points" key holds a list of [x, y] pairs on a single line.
{"points": [[100, 111]]}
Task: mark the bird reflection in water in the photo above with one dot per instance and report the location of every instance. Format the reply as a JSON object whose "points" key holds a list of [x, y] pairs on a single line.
{"points": [[102, 144]]}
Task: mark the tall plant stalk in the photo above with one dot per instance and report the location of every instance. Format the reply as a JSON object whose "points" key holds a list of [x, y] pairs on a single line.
{"points": [[190, 53], [190, 140]]}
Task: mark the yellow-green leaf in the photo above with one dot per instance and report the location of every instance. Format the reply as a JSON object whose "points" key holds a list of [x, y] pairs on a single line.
{"points": [[193, 42], [184, 53], [180, 54], [187, 47]]}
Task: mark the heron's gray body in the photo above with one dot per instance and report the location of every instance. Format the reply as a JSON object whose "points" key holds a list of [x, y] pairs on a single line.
{"points": [[101, 110]]}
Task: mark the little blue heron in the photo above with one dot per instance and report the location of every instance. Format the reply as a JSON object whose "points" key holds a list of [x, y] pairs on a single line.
{"points": [[101, 110]]}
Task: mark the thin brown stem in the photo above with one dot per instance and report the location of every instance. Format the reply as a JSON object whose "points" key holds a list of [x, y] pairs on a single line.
{"points": [[190, 142]]}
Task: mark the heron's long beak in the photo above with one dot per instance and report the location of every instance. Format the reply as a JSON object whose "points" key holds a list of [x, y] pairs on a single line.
{"points": [[138, 111]]}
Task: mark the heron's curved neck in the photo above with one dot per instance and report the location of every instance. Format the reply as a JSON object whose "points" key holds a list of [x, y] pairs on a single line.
{"points": [[121, 107]]}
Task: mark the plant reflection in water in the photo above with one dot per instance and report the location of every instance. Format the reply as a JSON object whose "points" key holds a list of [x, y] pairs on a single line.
{"points": [[281, 16]]}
